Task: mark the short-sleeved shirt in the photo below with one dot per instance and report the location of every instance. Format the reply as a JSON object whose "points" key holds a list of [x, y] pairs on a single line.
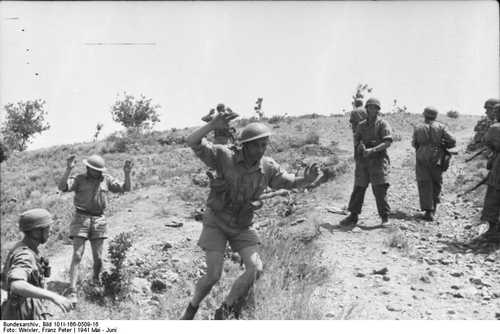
{"points": [[23, 264], [430, 140], [492, 141], [371, 135], [90, 193], [228, 204]]}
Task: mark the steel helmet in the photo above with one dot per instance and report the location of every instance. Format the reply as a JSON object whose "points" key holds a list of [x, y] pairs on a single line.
{"points": [[34, 218], [430, 112], [491, 102], [95, 162], [372, 101], [253, 131]]}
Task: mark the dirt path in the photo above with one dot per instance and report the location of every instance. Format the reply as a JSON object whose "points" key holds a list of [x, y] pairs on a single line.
{"points": [[426, 278]]}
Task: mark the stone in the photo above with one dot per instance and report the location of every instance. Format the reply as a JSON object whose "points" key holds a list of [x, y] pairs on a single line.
{"points": [[457, 274], [158, 286], [166, 246], [386, 278], [393, 308], [455, 287], [451, 312], [330, 315], [359, 274], [357, 230], [425, 279], [382, 271], [457, 295], [140, 285]]}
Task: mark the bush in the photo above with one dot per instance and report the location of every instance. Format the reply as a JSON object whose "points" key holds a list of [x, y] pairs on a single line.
{"points": [[116, 282], [276, 119], [135, 114], [452, 114], [312, 138]]}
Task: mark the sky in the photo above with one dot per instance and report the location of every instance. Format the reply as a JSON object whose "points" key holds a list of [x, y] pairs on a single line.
{"points": [[300, 57]]}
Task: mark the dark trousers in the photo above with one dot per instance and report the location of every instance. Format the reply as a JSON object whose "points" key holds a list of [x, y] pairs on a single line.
{"points": [[491, 207], [428, 193], [380, 193]]}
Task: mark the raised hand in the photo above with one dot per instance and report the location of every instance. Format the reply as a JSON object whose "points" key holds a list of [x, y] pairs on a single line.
{"points": [[311, 173], [71, 162], [221, 120], [127, 167]]}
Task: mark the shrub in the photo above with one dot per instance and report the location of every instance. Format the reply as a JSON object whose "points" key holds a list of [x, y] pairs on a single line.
{"points": [[135, 114], [116, 282], [452, 114], [312, 138]]}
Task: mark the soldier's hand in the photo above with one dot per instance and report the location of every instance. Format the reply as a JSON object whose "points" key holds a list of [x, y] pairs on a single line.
{"points": [[367, 152], [63, 303], [127, 167], [311, 173], [221, 120], [71, 162]]}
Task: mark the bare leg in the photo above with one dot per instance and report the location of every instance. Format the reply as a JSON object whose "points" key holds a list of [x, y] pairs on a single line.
{"points": [[215, 261], [78, 250], [97, 246], [253, 268]]}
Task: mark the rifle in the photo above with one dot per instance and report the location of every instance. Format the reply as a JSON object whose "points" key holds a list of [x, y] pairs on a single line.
{"points": [[483, 181], [476, 154]]}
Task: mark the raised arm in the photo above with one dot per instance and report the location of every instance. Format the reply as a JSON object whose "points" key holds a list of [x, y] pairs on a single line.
{"points": [[70, 164], [220, 121], [25, 289]]}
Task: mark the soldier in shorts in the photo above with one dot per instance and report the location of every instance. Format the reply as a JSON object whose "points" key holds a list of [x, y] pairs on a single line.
{"points": [[90, 201], [25, 271], [243, 173]]}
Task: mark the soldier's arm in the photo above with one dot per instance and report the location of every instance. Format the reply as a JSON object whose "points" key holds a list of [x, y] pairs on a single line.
{"points": [[63, 183], [280, 179], [27, 290], [448, 140]]}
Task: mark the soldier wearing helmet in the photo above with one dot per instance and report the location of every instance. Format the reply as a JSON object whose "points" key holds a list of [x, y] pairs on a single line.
{"points": [[243, 173], [491, 207], [90, 190], [372, 138], [25, 271], [430, 140], [483, 124]]}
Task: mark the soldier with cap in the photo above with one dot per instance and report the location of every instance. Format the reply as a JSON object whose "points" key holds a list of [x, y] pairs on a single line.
{"points": [[491, 207], [430, 141], [372, 138], [25, 271], [225, 135], [483, 124], [90, 190], [243, 173], [358, 114]]}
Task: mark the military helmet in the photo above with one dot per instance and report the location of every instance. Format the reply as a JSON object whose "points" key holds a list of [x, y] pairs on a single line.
{"points": [[253, 131], [491, 102], [34, 218], [95, 162], [430, 112], [372, 101]]}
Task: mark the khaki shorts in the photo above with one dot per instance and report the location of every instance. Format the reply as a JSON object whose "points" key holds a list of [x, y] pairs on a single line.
{"points": [[212, 238], [88, 227]]}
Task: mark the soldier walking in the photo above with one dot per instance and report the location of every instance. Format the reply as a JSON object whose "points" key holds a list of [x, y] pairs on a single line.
{"points": [[25, 271], [243, 173], [371, 139], [491, 207], [430, 141], [89, 222], [483, 124]]}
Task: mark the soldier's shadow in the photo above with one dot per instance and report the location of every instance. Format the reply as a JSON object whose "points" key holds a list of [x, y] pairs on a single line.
{"points": [[479, 245], [332, 228]]}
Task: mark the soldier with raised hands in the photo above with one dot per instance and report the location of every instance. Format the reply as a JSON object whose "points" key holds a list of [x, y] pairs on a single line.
{"points": [[89, 222], [243, 173], [25, 271]]}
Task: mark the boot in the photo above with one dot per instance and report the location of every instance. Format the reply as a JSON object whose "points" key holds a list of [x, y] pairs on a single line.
{"points": [[223, 312], [190, 312], [385, 219], [350, 220], [429, 215], [493, 230]]}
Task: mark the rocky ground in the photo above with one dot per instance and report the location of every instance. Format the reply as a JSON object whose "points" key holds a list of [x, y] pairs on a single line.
{"points": [[409, 269]]}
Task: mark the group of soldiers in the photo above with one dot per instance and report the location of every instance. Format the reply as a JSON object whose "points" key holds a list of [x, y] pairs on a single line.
{"points": [[242, 174]]}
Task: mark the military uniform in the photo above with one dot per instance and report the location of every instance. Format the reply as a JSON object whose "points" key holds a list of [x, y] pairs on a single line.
{"points": [[90, 201], [373, 169], [229, 214], [25, 264], [491, 208], [357, 115], [480, 130], [430, 140]]}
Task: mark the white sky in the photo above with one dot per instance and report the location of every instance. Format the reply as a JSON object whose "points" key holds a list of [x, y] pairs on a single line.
{"points": [[301, 57]]}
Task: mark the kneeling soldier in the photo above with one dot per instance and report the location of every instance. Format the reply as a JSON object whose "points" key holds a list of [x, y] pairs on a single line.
{"points": [[25, 271]]}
